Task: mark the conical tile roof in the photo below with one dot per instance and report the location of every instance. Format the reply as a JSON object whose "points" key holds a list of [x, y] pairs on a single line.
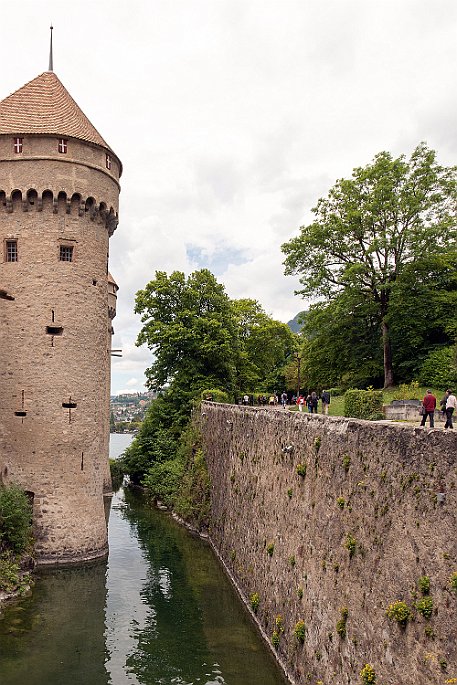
{"points": [[45, 106]]}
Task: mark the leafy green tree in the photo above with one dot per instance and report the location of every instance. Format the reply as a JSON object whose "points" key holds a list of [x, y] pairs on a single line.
{"points": [[265, 346], [157, 439], [374, 227], [341, 343], [423, 313], [200, 339], [188, 324], [439, 369]]}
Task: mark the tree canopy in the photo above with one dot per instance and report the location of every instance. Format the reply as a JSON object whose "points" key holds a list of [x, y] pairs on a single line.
{"points": [[200, 340], [373, 235], [189, 326], [264, 346]]}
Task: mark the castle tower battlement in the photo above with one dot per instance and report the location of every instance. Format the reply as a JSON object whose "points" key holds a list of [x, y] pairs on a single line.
{"points": [[59, 190]]}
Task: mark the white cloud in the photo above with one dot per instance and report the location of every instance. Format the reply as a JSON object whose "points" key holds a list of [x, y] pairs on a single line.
{"points": [[232, 118]]}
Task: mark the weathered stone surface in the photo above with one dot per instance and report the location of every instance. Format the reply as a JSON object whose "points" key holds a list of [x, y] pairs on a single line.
{"points": [[389, 477], [55, 338]]}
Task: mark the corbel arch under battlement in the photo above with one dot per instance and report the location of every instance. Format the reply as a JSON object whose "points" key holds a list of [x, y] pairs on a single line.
{"points": [[59, 202]]}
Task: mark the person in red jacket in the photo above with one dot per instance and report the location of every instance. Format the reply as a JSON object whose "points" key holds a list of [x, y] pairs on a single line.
{"points": [[429, 404]]}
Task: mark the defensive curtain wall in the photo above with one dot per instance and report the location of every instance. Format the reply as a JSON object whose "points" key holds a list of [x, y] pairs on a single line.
{"points": [[329, 521]]}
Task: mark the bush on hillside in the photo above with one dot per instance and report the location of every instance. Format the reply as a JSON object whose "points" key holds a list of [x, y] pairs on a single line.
{"points": [[363, 404], [116, 468], [439, 369], [163, 480], [15, 519], [215, 395], [10, 573], [408, 391]]}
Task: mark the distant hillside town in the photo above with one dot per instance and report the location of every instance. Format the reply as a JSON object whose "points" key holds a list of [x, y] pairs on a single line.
{"points": [[128, 410]]}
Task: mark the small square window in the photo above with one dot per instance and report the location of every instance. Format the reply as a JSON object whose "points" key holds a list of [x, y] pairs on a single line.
{"points": [[108, 162], [17, 146], [66, 253], [11, 251], [63, 145]]}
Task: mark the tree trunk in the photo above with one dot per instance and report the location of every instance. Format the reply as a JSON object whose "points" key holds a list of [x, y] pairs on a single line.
{"points": [[388, 371]]}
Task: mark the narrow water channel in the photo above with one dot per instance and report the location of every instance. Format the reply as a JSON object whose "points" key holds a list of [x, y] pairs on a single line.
{"points": [[159, 612]]}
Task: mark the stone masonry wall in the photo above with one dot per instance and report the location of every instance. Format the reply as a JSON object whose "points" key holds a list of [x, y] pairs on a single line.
{"points": [[285, 536]]}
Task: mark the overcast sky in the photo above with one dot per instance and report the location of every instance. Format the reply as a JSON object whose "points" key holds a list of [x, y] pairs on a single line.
{"points": [[232, 117]]}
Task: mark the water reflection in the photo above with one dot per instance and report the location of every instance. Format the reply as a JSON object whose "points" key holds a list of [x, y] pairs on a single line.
{"points": [[160, 613], [185, 624], [57, 635]]}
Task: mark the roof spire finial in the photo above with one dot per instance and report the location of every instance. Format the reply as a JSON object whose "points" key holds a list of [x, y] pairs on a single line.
{"points": [[51, 66]]}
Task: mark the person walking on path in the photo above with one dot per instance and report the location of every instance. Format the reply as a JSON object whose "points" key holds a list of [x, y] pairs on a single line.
{"points": [[300, 402], [325, 397], [284, 399], [429, 406], [314, 402], [451, 406], [443, 403]]}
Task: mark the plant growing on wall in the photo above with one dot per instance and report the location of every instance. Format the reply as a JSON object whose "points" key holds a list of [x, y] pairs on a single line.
{"points": [[340, 502], [425, 606], [424, 585], [301, 470], [453, 581], [443, 663], [275, 639], [346, 461], [399, 611], [300, 631], [368, 675], [341, 623], [255, 601], [350, 544], [270, 548], [279, 629]]}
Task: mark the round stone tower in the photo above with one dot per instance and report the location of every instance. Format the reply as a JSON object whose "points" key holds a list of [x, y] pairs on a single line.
{"points": [[59, 190]]}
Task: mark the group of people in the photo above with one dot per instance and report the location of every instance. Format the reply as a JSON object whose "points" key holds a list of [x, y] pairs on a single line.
{"points": [[311, 401], [448, 405]]}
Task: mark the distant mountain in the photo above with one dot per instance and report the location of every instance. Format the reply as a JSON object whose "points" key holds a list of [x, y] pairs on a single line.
{"points": [[294, 325]]}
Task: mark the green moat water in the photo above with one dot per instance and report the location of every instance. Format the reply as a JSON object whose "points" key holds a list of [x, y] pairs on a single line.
{"points": [[159, 612]]}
